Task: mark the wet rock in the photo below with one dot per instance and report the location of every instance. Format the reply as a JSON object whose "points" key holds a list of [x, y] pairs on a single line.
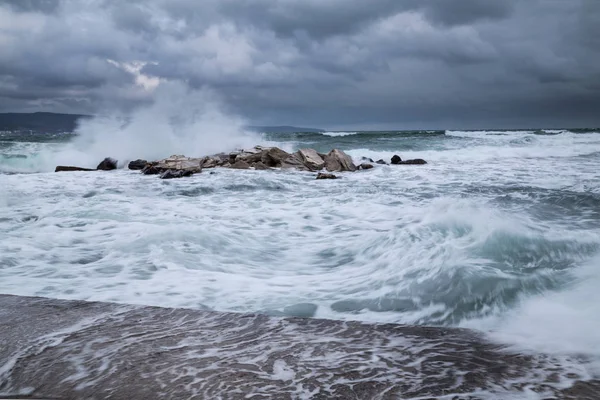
{"points": [[138, 164], [311, 159], [396, 160], [336, 160], [179, 163], [302, 310], [250, 156], [62, 168], [365, 166], [324, 175], [171, 174], [150, 169], [273, 157], [416, 161], [294, 161], [212, 162], [367, 159], [108, 164], [260, 166], [381, 161], [241, 164]]}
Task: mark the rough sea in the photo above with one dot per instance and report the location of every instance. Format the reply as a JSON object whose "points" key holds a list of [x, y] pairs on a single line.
{"points": [[498, 233]]}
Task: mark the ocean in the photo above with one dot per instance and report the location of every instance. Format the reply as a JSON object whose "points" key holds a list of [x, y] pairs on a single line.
{"points": [[498, 233]]}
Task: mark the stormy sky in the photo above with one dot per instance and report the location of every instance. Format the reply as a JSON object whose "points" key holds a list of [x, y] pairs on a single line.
{"points": [[377, 64]]}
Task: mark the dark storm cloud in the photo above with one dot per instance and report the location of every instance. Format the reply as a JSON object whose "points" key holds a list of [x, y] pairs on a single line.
{"points": [[467, 11], [45, 6], [403, 63]]}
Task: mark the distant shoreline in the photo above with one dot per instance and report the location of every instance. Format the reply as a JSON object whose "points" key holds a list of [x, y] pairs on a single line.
{"points": [[53, 122]]}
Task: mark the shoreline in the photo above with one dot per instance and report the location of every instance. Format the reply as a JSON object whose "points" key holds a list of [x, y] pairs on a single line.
{"points": [[79, 349]]}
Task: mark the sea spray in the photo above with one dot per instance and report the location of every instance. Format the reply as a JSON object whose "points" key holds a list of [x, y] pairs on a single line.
{"points": [[179, 120]]}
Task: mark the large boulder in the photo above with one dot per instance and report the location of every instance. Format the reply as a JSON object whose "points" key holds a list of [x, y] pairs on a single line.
{"points": [[259, 166], [294, 161], [108, 164], [337, 160], [172, 174], [273, 157], [150, 169], [241, 164], [325, 175], [250, 156], [416, 161], [62, 168], [311, 159], [137, 165], [179, 163], [212, 162], [396, 160]]}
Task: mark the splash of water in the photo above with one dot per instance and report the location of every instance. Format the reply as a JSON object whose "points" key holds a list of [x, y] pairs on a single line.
{"points": [[562, 322], [179, 120]]}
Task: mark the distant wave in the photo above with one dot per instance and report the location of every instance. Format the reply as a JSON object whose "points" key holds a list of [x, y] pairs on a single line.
{"points": [[480, 133], [484, 133], [336, 134]]}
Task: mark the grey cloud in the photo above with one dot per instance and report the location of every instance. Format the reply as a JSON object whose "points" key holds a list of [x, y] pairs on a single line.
{"points": [[45, 6], [468, 11], [333, 63]]}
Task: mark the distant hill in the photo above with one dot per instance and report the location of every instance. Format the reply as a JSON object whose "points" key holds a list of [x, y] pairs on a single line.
{"points": [[53, 122], [283, 129], [39, 121]]}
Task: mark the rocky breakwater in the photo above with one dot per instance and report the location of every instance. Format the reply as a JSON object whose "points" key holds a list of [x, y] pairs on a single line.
{"points": [[257, 158]]}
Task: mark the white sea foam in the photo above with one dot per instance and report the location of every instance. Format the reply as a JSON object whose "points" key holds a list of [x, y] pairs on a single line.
{"points": [[455, 241], [566, 321], [339, 134], [479, 134]]}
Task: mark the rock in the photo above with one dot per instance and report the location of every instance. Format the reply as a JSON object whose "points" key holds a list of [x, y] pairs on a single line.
{"points": [[249, 155], [365, 166], [211, 162], [62, 168], [171, 174], [150, 169], [324, 175], [240, 165], [311, 159], [273, 157], [416, 161], [178, 162], [294, 161], [259, 166], [382, 162], [367, 159], [396, 160], [337, 160], [108, 164], [138, 164]]}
